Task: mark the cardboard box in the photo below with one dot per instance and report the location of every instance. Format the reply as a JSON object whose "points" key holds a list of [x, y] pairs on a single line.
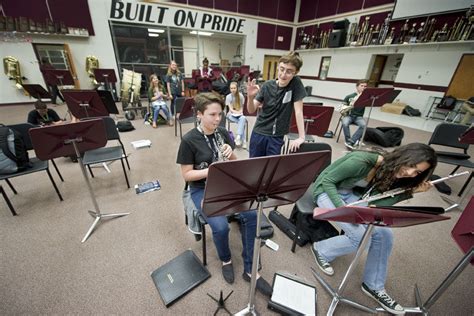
{"points": [[395, 108]]}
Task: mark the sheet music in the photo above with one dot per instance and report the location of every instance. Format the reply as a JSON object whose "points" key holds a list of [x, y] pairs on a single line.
{"points": [[295, 295]]}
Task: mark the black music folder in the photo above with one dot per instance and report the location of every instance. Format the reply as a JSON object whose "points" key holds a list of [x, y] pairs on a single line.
{"points": [[179, 276]]}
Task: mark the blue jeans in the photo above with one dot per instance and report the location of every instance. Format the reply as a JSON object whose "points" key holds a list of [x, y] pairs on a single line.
{"points": [[241, 120], [156, 111], [220, 231], [348, 120], [173, 103], [380, 245], [262, 146]]}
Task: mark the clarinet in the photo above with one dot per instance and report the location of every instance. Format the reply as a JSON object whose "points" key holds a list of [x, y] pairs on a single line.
{"points": [[394, 192], [220, 146]]}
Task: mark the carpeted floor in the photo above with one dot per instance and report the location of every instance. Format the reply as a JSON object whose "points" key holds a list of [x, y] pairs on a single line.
{"points": [[45, 269]]}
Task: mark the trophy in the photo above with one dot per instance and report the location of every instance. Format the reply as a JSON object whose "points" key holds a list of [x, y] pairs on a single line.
{"points": [[412, 34], [403, 32], [384, 31]]}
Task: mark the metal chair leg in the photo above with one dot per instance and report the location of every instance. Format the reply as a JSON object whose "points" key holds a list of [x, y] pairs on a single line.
{"points": [[54, 184], [10, 206], [125, 173], [57, 170], [11, 186]]}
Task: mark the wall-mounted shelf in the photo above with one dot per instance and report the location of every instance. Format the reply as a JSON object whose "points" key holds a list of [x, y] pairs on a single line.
{"points": [[391, 46], [14, 34]]}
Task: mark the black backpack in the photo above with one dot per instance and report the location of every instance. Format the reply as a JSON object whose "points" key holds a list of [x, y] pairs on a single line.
{"points": [[125, 126], [13, 152]]}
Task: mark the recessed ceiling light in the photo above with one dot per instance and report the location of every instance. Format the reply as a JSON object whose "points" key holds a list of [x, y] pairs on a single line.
{"points": [[153, 34], [156, 31], [201, 33]]}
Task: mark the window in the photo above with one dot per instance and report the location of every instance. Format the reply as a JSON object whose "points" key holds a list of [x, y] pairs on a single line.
{"points": [[324, 67]]}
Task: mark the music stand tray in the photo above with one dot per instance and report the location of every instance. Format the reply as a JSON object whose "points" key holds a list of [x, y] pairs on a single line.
{"points": [[392, 216], [234, 186], [108, 100], [372, 97], [468, 136], [105, 75], [64, 140], [37, 91], [56, 77], [85, 103]]}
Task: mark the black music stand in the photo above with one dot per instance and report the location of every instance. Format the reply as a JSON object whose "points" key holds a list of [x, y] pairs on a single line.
{"points": [[85, 103], [374, 97], [37, 91], [71, 139], [56, 77], [234, 186], [106, 76], [462, 235], [371, 216], [108, 100]]}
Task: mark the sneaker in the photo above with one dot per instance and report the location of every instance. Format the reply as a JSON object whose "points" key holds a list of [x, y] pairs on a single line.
{"points": [[228, 273], [349, 145], [387, 303], [321, 262], [244, 145], [262, 286], [359, 143]]}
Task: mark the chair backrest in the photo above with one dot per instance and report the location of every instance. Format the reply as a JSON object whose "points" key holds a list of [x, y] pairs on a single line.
{"points": [[309, 147], [447, 134], [187, 109], [179, 104], [195, 73], [23, 129], [447, 103], [111, 128]]}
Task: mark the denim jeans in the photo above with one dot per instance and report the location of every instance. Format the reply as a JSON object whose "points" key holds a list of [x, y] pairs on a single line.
{"points": [[380, 245], [220, 231], [240, 120], [348, 120], [156, 111]]}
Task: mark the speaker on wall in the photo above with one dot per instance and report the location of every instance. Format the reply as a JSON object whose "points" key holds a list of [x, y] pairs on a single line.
{"points": [[340, 25], [337, 38]]}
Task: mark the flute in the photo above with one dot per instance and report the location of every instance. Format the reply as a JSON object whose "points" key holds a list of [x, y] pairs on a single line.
{"points": [[394, 192]]}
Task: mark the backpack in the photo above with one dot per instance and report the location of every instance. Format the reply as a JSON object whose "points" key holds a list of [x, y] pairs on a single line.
{"points": [[314, 229], [447, 103], [410, 111], [125, 126], [13, 152]]}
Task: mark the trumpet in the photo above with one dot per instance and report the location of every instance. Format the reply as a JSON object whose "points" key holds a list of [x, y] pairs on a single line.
{"points": [[11, 67], [394, 192]]}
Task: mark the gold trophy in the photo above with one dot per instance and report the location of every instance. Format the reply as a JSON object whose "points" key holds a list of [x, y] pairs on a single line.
{"points": [[11, 67], [92, 63]]}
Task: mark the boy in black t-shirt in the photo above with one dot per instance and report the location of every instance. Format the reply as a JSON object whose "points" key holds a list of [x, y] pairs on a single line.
{"points": [[41, 115]]}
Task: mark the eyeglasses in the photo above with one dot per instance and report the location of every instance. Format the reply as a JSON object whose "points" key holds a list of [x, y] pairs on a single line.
{"points": [[287, 71]]}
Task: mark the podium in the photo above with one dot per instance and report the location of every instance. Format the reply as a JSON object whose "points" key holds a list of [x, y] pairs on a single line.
{"points": [[462, 235], [235, 186], [370, 216], [72, 139], [372, 97], [108, 78]]}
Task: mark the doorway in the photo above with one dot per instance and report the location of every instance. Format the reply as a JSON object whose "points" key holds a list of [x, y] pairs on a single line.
{"points": [[461, 85], [270, 67], [377, 70]]}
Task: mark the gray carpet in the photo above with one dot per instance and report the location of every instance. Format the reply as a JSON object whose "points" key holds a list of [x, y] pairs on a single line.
{"points": [[45, 269]]}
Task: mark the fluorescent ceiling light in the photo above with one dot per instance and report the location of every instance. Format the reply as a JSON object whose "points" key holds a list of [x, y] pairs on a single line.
{"points": [[156, 31], [201, 33], [153, 34]]}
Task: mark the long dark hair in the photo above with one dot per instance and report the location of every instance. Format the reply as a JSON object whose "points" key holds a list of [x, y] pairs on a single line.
{"points": [[404, 156]]}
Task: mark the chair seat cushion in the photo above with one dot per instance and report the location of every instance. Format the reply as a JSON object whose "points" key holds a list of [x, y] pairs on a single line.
{"points": [[36, 165], [102, 155], [306, 204], [453, 155]]}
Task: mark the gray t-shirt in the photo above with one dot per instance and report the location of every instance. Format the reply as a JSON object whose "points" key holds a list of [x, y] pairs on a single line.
{"points": [[274, 119]]}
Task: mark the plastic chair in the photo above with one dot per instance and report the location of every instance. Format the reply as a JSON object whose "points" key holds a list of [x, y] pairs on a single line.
{"points": [[36, 164], [447, 135], [185, 114], [110, 153]]}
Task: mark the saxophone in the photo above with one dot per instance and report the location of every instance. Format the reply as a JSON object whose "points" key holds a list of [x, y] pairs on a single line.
{"points": [[92, 63], [11, 67]]}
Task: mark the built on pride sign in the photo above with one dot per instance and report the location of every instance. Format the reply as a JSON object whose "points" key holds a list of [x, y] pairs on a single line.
{"points": [[151, 13]]}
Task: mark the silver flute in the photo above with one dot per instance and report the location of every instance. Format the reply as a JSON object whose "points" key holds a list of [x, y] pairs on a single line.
{"points": [[394, 192]]}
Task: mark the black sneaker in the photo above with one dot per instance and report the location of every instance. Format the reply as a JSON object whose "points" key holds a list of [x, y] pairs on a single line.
{"points": [[387, 303], [321, 263], [228, 273], [262, 286]]}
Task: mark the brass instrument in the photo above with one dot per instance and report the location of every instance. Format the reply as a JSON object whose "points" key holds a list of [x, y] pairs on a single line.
{"points": [[11, 67], [92, 63], [394, 192]]}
